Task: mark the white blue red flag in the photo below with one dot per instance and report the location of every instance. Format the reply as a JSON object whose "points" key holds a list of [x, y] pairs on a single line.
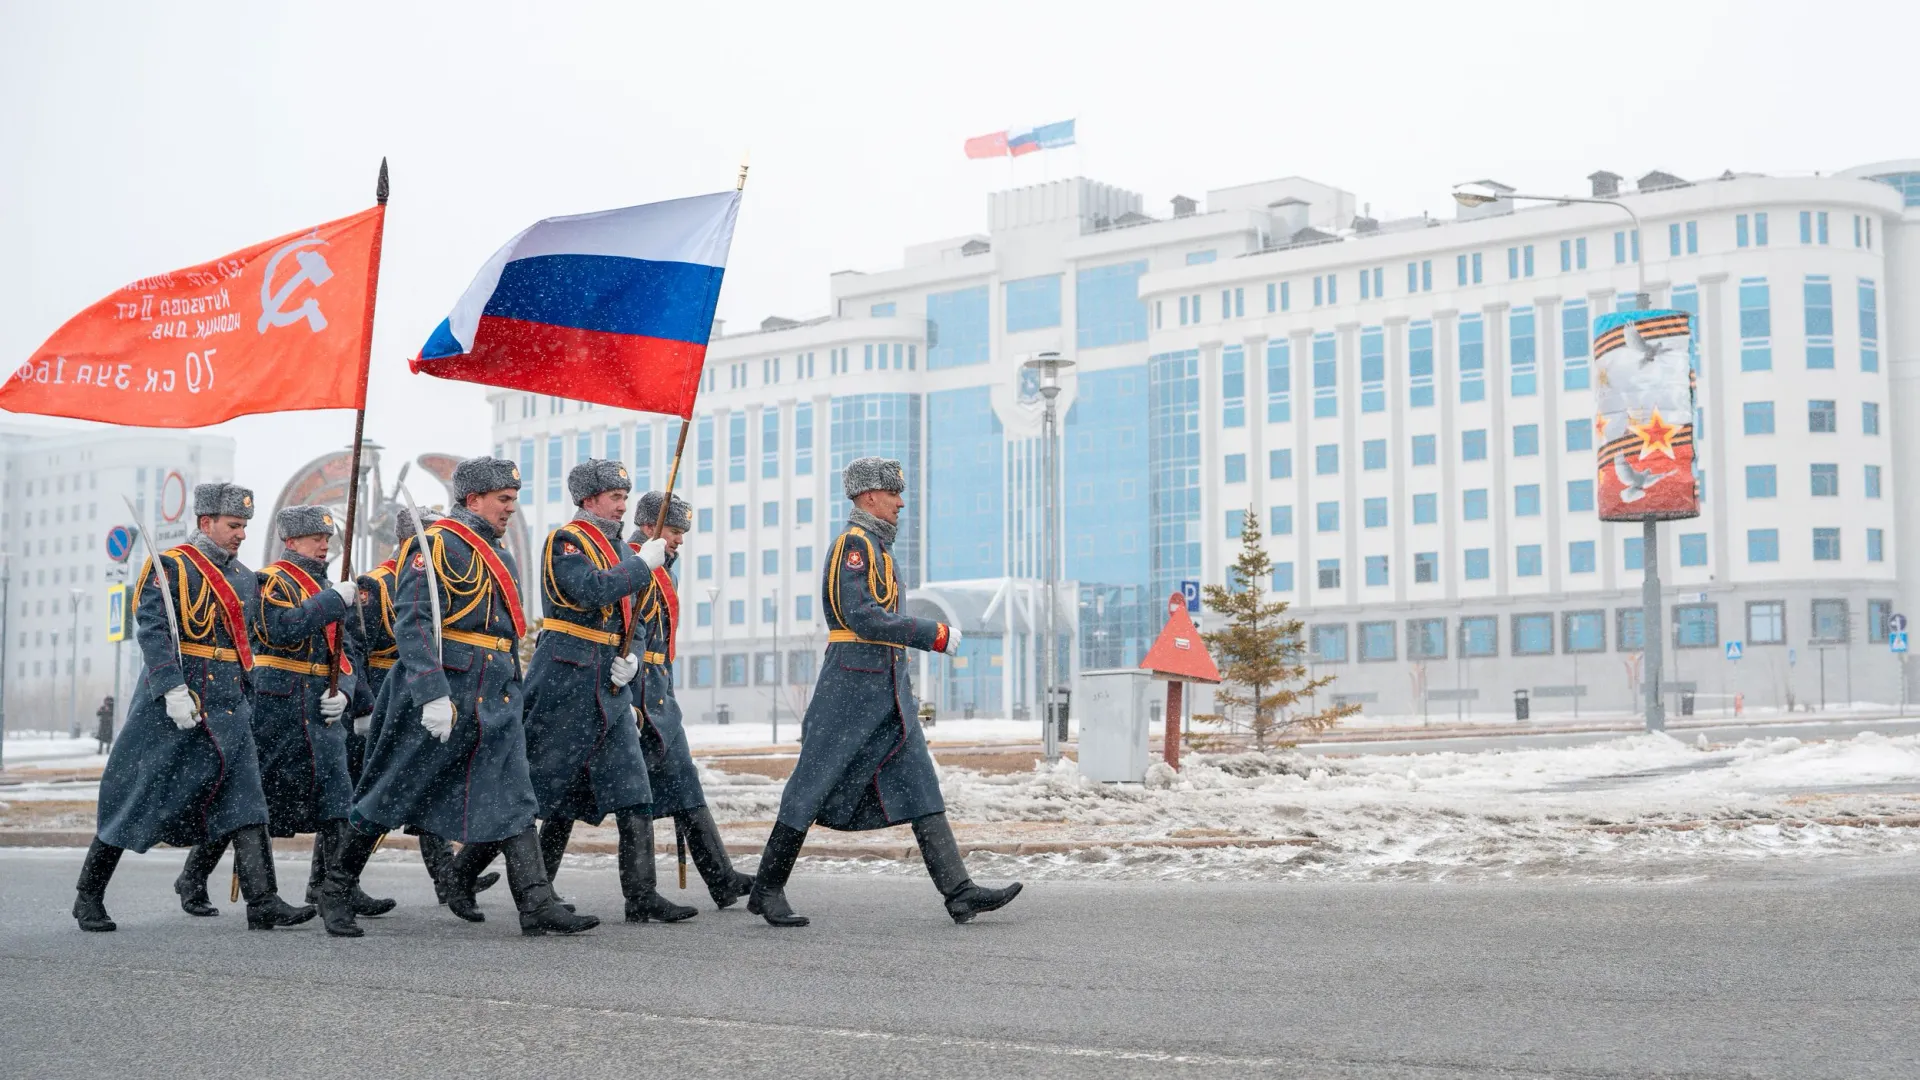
{"points": [[1018, 142], [613, 307]]}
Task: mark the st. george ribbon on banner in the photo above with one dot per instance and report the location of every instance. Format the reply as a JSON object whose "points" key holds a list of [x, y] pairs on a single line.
{"points": [[613, 307], [278, 326], [1644, 426]]}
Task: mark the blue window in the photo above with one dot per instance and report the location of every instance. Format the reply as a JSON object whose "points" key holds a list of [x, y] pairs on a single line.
{"points": [[1673, 239], [803, 559], [1580, 434], [1236, 470], [1373, 370], [1575, 344], [1201, 258], [1870, 418], [1630, 554], [1326, 459], [704, 568], [1377, 575], [1526, 440], [736, 448], [1513, 263], [1319, 291], [1532, 635], [1693, 549], [803, 511], [1473, 444], [737, 564], [1822, 417], [803, 609], [1279, 464], [803, 439], [770, 442], [770, 561], [1526, 500], [1236, 523], [1366, 285], [1584, 631], [1328, 643], [1413, 277], [1233, 387], [1420, 364], [1825, 480], [1426, 571], [1626, 245], [1425, 449], [1579, 496], [958, 332], [1696, 626], [1757, 416], [1818, 294], [1473, 359], [1426, 509], [1521, 358], [1763, 482], [1375, 512], [1373, 454], [769, 514], [706, 519], [1480, 635], [1693, 238], [1876, 551], [1760, 230], [1326, 376], [1326, 517], [737, 517], [1106, 305], [1479, 566], [1279, 382], [1806, 226], [1740, 230], [882, 311], [1280, 520], [1580, 557], [1473, 504], [1826, 545], [1763, 545], [1283, 577], [1033, 303], [1756, 326], [556, 468], [1871, 485], [1869, 327], [736, 616], [703, 438]]}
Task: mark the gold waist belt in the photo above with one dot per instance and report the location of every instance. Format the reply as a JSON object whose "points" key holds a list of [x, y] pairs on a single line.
{"points": [[654, 657], [298, 667], [384, 663], [478, 641], [842, 637], [209, 652], [598, 637]]}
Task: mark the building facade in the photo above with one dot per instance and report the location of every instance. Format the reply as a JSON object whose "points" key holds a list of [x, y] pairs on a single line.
{"points": [[1406, 405], [60, 492]]}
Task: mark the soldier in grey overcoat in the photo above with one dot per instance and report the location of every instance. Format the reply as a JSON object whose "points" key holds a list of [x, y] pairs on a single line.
{"points": [[449, 753], [583, 747], [184, 770], [863, 762]]}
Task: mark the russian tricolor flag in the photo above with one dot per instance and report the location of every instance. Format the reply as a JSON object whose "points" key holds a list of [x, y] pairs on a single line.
{"points": [[613, 307]]}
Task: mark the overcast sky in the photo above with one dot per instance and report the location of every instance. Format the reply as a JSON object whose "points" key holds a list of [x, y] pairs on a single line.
{"points": [[136, 139]]}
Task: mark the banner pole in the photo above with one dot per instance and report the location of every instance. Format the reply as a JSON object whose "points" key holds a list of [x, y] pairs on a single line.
{"points": [[380, 191]]}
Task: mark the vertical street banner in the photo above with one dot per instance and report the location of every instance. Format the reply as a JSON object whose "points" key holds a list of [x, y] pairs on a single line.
{"points": [[1644, 426], [275, 327]]}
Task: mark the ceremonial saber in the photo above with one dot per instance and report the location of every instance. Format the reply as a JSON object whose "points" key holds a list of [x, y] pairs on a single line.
{"points": [[166, 598], [426, 557]]}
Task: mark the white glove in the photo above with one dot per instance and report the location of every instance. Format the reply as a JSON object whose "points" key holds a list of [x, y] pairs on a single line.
{"points": [[348, 590], [624, 669], [953, 640], [333, 705], [437, 717], [180, 708], [654, 553], [363, 724]]}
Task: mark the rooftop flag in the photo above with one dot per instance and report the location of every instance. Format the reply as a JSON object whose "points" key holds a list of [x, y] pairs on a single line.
{"points": [[613, 307], [1016, 142], [278, 326]]}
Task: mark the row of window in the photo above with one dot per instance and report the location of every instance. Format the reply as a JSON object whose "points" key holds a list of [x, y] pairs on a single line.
{"points": [[696, 672], [1756, 323], [1694, 626], [769, 562], [769, 611], [565, 451]]}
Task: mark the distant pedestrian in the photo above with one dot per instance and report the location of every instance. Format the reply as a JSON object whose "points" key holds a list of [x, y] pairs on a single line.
{"points": [[103, 734]]}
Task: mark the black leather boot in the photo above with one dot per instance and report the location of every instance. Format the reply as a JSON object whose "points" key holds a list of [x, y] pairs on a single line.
{"points": [[346, 858], [202, 860], [253, 856], [639, 881], [327, 839], [436, 853], [725, 884], [554, 835], [90, 905], [769, 896], [540, 911], [949, 871], [459, 881]]}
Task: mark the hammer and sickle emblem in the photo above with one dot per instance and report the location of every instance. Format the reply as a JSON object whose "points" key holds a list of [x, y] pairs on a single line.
{"points": [[313, 271]]}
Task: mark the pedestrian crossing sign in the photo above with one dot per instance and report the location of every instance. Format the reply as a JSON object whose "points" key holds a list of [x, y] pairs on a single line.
{"points": [[1734, 650], [1897, 641], [117, 616]]}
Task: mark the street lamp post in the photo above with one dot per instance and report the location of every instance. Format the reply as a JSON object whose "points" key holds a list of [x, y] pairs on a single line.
{"points": [[1049, 365], [713, 684], [73, 666], [1652, 638], [779, 668]]}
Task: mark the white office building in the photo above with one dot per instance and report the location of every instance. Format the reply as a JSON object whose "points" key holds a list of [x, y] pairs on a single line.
{"points": [[1406, 405], [60, 492]]}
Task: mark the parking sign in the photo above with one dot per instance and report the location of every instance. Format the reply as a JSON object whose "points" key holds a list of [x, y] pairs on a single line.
{"points": [[1191, 590]]}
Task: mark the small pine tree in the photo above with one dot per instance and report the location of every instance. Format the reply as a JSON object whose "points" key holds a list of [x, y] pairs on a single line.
{"points": [[1261, 654]]}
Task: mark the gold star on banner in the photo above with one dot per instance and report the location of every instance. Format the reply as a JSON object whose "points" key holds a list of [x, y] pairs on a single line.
{"points": [[1600, 427], [1656, 436]]}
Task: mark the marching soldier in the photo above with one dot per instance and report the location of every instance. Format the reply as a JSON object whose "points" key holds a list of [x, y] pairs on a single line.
{"points": [[299, 725], [370, 642], [185, 770], [863, 761], [676, 783], [450, 753], [582, 744]]}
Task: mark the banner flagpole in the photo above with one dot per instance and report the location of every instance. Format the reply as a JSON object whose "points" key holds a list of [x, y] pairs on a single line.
{"points": [[380, 190]]}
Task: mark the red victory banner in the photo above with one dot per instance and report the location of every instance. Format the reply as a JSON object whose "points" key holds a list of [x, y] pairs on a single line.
{"points": [[1644, 425], [276, 327]]}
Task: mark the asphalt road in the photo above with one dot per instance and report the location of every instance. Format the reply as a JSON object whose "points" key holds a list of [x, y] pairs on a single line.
{"points": [[1810, 729], [1800, 973]]}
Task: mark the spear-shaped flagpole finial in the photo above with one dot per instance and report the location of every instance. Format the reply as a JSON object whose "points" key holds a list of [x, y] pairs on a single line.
{"points": [[380, 188], [741, 184]]}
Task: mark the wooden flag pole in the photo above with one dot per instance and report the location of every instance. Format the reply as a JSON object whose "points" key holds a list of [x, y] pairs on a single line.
{"points": [[380, 191]]}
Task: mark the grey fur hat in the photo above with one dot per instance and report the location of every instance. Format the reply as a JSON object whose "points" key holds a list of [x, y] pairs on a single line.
{"points": [[403, 523], [304, 521], [223, 499], [874, 474], [479, 475], [595, 475], [679, 515]]}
